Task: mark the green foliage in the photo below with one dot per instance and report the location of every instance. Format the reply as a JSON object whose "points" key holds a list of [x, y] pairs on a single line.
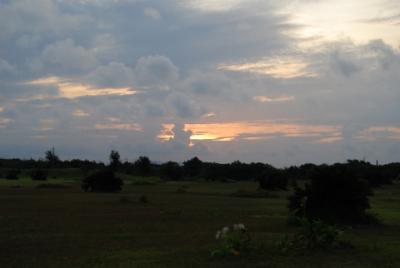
{"points": [[143, 199], [114, 160], [102, 181], [232, 241], [193, 167], [12, 174], [38, 175], [334, 195], [142, 166], [52, 158], [273, 179], [311, 234], [171, 171]]}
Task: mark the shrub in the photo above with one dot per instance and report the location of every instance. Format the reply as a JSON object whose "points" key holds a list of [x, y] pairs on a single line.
{"points": [[233, 241], [312, 234], [102, 181], [193, 167], [332, 196], [38, 175], [12, 174], [52, 186], [143, 199], [273, 179], [143, 166], [171, 171]]}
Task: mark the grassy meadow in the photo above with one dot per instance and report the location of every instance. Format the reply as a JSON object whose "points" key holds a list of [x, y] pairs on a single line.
{"points": [[65, 227]]}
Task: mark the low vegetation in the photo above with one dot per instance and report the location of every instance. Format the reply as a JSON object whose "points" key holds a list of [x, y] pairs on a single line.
{"points": [[167, 214]]}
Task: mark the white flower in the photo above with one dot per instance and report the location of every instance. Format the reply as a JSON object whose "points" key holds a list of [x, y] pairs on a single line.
{"points": [[218, 235], [239, 227], [225, 230]]}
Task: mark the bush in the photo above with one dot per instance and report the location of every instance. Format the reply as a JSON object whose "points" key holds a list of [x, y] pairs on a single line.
{"points": [[171, 171], [273, 179], [312, 234], [102, 181], [12, 174], [233, 241], [143, 199], [332, 196], [143, 166], [38, 175], [193, 167]]}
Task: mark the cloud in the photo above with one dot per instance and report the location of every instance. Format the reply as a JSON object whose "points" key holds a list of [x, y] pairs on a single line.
{"points": [[225, 80], [279, 67], [261, 130], [112, 75], [5, 67], [80, 113], [67, 57], [70, 89], [128, 126], [273, 99], [155, 71], [152, 13]]}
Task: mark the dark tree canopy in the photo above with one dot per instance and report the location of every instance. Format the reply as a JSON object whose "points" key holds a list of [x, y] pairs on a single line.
{"points": [[142, 166], [334, 195], [52, 158], [193, 167], [115, 161], [171, 171], [273, 179], [102, 181], [38, 175]]}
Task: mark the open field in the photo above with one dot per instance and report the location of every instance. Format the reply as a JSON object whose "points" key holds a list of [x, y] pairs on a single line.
{"points": [[176, 228]]}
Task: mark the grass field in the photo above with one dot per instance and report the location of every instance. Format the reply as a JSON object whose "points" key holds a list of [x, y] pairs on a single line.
{"points": [[176, 228]]}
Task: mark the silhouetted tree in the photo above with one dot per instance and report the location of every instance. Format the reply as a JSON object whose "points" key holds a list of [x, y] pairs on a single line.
{"points": [[12, 174], [334, 195], [142, 166], [193, 167], [171, 171], [114, 160], [51, 158], [102, 181], [273, 179], [38, 175]]}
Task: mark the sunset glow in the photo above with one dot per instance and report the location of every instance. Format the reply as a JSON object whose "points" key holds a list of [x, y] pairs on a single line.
{"points": [[71, 90]]}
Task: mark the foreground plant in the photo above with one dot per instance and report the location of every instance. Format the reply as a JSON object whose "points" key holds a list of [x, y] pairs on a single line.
{"points": [[312, 234], [232, 241]]}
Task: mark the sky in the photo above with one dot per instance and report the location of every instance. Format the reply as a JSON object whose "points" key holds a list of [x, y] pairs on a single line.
{"points": [[279, 81]]}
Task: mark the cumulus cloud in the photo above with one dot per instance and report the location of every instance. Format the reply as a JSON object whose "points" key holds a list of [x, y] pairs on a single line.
{"points": [[155, 71], [87, 76], [114, 74], [66, 56], [152, 13]]}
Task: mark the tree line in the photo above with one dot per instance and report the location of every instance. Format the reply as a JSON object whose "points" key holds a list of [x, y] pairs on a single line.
{"points": [[268, 176]]}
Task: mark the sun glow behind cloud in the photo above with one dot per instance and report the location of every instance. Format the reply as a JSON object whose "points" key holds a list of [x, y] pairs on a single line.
{"points": [[380, 132], [277, 67], [125, 126], [251, 131], [273, 99], [332, 20], [73, 89]]}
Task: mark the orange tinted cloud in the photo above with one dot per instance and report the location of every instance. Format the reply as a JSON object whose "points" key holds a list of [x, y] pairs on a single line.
{"points": [[273, 99], [80, 113], [130, 127], [4, 122], [380, 132], [167, 132], [260, 130], [71, 89], [282, 67]]}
